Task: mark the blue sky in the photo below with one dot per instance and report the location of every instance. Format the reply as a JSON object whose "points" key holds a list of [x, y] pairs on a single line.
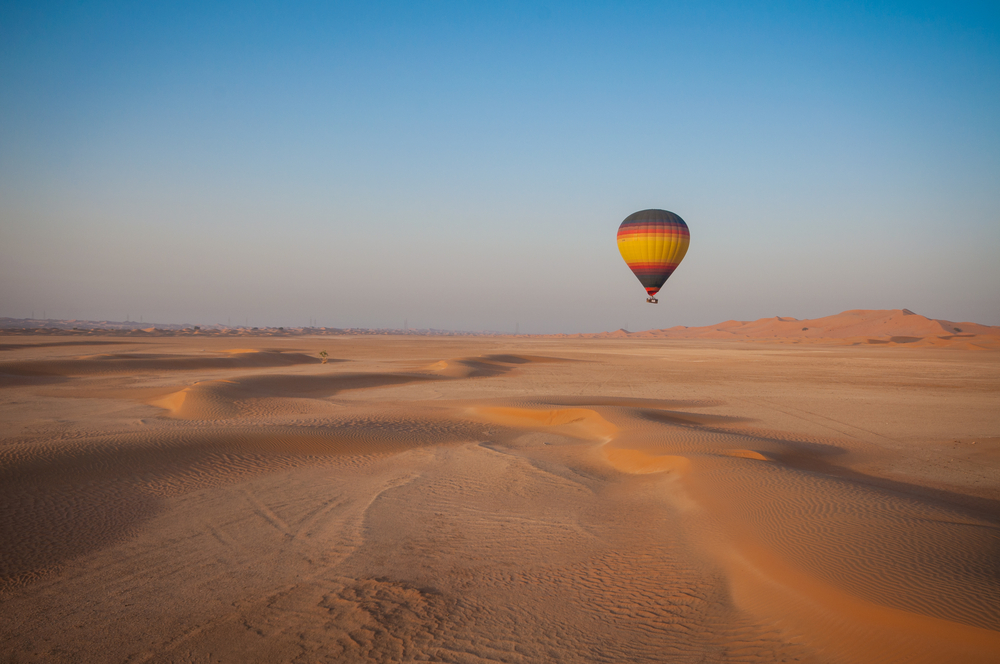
{"points": [[466, 165]]}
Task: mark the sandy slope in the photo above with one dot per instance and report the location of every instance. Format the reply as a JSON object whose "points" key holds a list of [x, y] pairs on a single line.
{"points": [[512, 500], [856, 327]]}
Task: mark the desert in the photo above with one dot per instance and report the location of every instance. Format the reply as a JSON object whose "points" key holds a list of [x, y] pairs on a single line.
{"points": [[625, 497], [499, 332]]}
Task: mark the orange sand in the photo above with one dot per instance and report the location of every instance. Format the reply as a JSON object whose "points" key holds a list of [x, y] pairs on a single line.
{"points": [[503, 500], [893, 327]]}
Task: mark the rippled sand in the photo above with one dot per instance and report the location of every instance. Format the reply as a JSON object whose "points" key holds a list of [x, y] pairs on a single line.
{"points": [[497, 500]]}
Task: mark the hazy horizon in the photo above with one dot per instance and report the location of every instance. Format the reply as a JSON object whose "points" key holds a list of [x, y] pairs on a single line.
{"points": [[465, 167], [132, 323]]}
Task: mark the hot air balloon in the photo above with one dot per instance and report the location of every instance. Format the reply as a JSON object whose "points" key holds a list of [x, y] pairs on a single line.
{"points": [[653, 243]]}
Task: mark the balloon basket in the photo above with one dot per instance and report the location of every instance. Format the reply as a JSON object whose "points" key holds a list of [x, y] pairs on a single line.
{"points": [[652, 300]]}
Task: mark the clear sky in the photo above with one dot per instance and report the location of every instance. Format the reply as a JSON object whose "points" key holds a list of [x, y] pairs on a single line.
{"points": [[466, 165]]}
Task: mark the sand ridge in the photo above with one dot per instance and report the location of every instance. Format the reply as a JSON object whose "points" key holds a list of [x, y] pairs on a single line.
{"points": [[536, 500], [130, 363], [892, 327], [769, 579]]}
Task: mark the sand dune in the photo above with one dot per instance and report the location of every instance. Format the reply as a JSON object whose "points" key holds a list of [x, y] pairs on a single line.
{"points": [[250, 395], [856, 327], [525, 500], [483, 366], [122, 363], [577, 422], [219, 399], [58, 344], [60, 501]]}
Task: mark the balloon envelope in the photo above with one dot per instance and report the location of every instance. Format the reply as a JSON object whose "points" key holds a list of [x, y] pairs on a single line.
{"points": [[653, 243]]}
